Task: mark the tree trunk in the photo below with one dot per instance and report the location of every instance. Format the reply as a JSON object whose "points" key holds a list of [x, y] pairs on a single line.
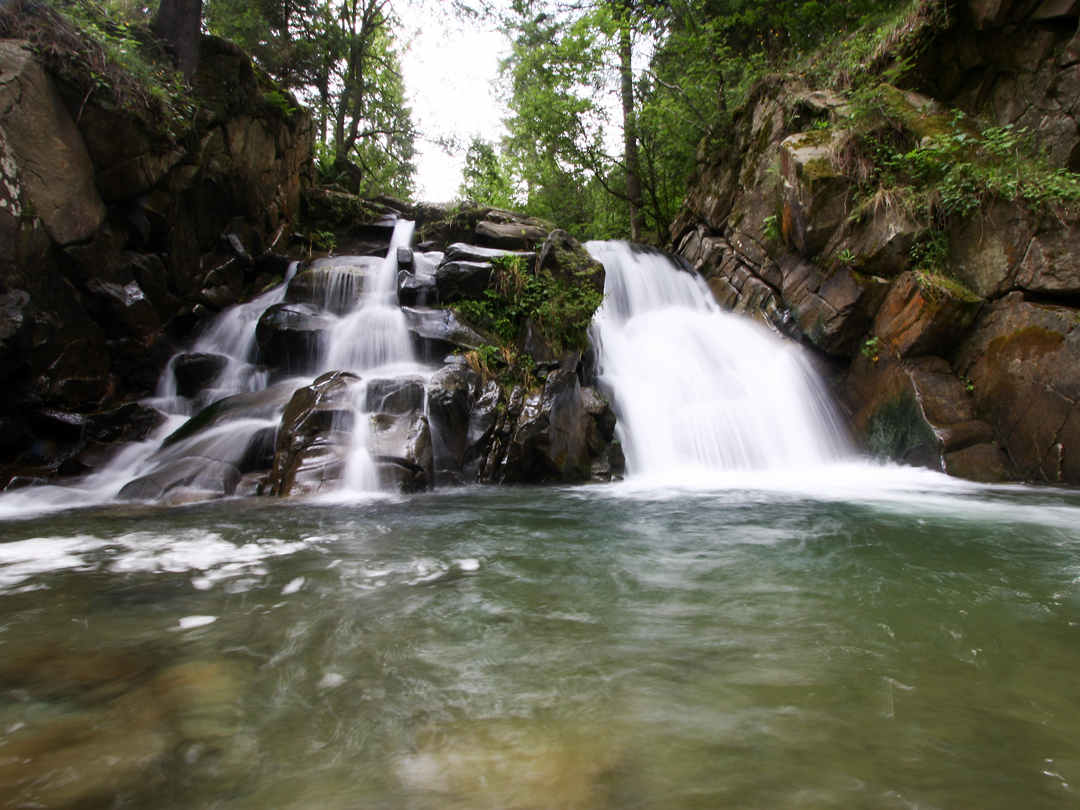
{"points": [[630, 142], [177, 24]]}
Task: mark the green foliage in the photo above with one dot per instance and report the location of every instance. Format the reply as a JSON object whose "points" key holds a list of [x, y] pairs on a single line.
{"points": [[931, 251], [871, 348], [561, 309], [485, 177], [342, 59], [772, 227]]}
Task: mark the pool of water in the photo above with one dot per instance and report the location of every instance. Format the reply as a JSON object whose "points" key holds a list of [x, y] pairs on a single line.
{"points": [[867, 638]]}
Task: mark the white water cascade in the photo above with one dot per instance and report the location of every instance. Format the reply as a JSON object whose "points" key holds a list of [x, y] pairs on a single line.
{"points": [[697, 389], [373, 335]]}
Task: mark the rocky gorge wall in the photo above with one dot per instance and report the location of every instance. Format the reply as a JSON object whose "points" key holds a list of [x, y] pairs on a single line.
{"points": [[115, 239], [973, 370]]}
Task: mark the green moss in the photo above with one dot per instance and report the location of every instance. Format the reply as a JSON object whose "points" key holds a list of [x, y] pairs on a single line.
{"points": [[818, 169], [938, 286], [813, 138]]}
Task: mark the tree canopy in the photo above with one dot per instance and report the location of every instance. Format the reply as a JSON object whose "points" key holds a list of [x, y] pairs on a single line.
{"points": [[342, 60], [608, 100]]}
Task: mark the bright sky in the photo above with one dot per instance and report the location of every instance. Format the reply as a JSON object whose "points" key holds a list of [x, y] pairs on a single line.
{"points": [[449, 71]]}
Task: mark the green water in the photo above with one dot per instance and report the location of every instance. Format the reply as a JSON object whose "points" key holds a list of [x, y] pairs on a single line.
{"points": [[874, 647]]}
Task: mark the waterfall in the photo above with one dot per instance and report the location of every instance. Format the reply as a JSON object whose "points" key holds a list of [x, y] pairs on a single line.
{"points": [[696, 388], [374, 335]]}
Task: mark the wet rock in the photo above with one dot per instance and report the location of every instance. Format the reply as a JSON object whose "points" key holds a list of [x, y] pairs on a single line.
{"points": [[191, 478], [404, 258], [153, 279], [402, 450], [315, 436], [335, 284], [919, 412], [483, 419], [52, 158], [14, 437], [550, 440], [196, 371], [925, 314], [597, 406], [440, 331], [57, 425], [290, 336], [610, 465], [124, 422], [450, 394], [510, 766], [124, 309], [90, 759], [215, 747], [398, 397], [255, 405], [89, 676], [416, 290]]}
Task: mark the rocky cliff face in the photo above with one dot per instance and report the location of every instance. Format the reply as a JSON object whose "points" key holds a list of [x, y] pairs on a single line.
{"points": [[971, 366], [115, 239]]}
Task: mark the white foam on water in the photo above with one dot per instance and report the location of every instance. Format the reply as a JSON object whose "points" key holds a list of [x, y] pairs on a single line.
{"points": [[211, 556]]}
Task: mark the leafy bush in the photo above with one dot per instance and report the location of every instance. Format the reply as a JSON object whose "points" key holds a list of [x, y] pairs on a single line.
{"points": [[561, 310]]}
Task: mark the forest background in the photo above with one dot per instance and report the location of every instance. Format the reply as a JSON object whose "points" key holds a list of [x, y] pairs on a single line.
{"points": [[609, 104]]}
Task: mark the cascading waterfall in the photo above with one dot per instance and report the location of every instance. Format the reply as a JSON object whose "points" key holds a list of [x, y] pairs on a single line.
{"points": [[230, 335], [697, 389], [374, 335]]}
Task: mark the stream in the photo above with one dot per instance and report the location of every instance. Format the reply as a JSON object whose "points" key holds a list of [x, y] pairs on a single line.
{"points": [[864, 637]]}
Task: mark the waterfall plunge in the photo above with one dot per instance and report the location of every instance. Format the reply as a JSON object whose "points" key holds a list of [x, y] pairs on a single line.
{"points": [[698, 389]]}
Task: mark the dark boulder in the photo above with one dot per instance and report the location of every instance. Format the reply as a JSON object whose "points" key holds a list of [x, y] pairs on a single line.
{"points": [[399, 397], [416, 290], [450, 395], [463, 281], [290, 336], [439, 331], [196, 371], [401, 448], [190, 478], [550, 441], [315, 436]]}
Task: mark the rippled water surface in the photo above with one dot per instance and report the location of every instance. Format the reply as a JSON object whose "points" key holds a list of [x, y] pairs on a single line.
{"points": [[864, 643]]}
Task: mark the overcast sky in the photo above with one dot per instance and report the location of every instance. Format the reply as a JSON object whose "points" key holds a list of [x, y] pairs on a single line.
{"points": [[449, 71]]}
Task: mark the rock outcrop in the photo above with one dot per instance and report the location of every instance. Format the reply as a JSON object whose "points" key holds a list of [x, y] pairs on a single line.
{"points": [[967, 366], [116, 237]]}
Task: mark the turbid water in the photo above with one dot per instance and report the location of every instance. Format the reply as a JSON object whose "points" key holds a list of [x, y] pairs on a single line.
{"points": [[877, 638]]}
